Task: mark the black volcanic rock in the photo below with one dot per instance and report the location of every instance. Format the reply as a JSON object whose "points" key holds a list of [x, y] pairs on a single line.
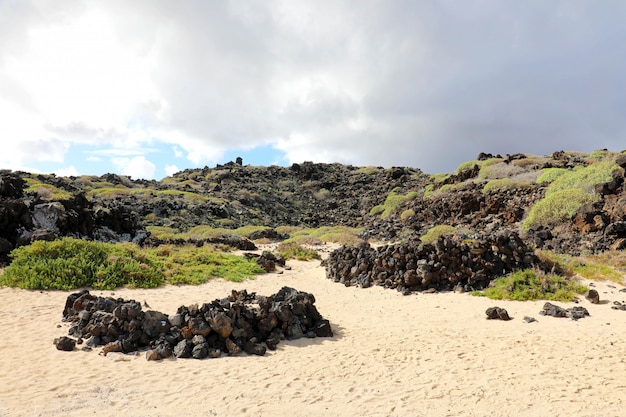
{"points": [[119, 209], [241, 322]]}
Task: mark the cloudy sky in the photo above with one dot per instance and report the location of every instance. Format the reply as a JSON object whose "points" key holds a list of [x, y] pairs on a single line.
{"points": [[149, 87]]}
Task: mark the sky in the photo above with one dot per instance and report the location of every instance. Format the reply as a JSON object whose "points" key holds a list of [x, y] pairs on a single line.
{"points": [[147, 88]]}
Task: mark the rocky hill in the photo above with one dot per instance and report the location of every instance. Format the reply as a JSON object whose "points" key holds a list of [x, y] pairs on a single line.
{"points": [[568, 201]]}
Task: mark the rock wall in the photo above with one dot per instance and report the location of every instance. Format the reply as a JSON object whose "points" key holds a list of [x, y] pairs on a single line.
{"points": [[240, 322], [449, 264]]}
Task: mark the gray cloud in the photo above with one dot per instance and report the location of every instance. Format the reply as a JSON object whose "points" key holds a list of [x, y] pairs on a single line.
{"points": [[428, 84]]}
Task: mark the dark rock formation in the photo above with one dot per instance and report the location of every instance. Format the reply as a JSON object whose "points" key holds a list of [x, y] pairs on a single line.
{"points": [[65, 343], [239, 323], [592, 296], [448, 263], [497, 313], [575, 313]]}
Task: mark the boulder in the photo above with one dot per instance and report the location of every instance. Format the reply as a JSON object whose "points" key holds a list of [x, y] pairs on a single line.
{"points": [[592, 296], [497, 313], [65, 343]]}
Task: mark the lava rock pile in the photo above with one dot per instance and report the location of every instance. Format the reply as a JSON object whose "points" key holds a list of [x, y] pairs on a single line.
{"points": [[451, 263], [239, 322]]}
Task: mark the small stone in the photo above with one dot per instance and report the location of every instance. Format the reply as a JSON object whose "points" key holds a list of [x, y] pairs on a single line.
{"points": [[200, 351], [214, 353], [198, 339], [592, 296], [497, 313], [197, 325], [152, 355], [183, 349], [528, 319], [232, 348], [65, 343]]}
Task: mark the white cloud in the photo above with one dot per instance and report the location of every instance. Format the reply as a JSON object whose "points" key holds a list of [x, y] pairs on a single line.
{"points": [[171, 170], [67, 172], [137, 167], [427, 84]]}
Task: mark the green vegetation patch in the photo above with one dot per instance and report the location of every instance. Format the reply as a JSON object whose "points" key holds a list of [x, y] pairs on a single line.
{"points": [[502, 184], [407, 214], [598, 154], [585, 178], [392, 203], [529, 284], [68, 263], [468, 165], [608, 265], [46, 191], [548, 175], [164, 233], [558, 207], [326, 234], [293, 250], [369, 170], [433, 234], [491, 167], [117, 191], [191, 265]]}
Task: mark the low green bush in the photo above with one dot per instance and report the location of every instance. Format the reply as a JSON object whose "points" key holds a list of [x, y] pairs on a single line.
{"points": [[557, 207], [392, 203], [326, 234], [407, 214], [433, 234], [585, 178], [293, 250], [548, 175], [68, 263], [191, 265], [502, 184], [468, 165], [46, 191], [528, 284]]}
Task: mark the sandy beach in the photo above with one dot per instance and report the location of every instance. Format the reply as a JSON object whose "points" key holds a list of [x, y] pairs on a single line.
{"points": [[392, 355]]}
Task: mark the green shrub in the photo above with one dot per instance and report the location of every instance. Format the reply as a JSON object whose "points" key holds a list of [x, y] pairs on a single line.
{"points": [[376, 210], [326, 234], [557, 207], [439, 177], [502, 184], [585, 178], [392, 203], [468, 165], [191, 265], [598, 154], [548, 175], [528, 284], [68, 263], [407, 214], [490, 167], [164, 232], [428, 191], [433, 234], [607, 265], [46, 191], [293, 250], [369, 170]]}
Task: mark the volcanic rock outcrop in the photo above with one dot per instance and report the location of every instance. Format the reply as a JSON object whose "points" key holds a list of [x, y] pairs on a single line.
{"points": [[449, 263], [240, 322]]}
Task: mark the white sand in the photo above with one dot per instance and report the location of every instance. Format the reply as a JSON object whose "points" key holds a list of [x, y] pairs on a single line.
{"points": [[392, 355]]}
